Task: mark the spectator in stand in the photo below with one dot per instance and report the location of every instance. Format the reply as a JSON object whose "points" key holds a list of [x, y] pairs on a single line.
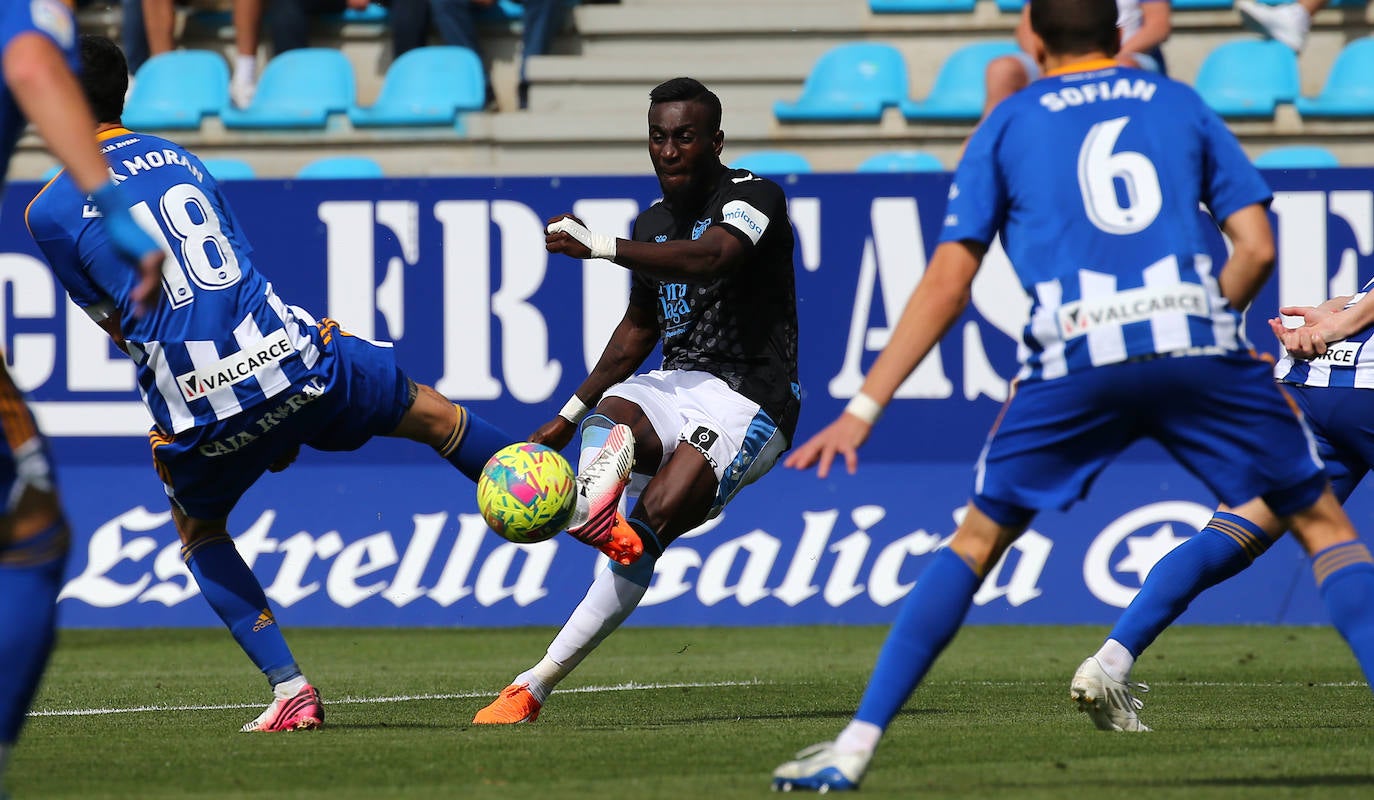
{"points": [[160, 25], [543, 19], [1287, 24], [1144, 25]]}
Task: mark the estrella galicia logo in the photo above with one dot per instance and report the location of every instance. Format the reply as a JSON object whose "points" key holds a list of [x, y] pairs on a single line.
{"points": [[661, 238], [1148, 533], [700, 227]]}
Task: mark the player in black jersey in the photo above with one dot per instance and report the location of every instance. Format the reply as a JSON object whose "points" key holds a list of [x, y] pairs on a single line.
{"points": [[713, 280]]}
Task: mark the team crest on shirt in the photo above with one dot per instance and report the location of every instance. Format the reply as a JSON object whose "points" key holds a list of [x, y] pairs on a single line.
{"points": [[700, 227], [661, 238], [53, 18]]}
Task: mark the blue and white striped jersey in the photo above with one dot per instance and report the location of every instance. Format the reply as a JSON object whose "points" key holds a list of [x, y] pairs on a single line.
{"points": [[1345, 364], [1093, 178], [220, 342], [50, 18]]}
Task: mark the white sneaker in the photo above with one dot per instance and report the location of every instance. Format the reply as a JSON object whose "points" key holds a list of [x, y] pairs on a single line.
{"points": [[1109, 702], [1287, 24], [821, 768], [241, 93], [596, 519]]}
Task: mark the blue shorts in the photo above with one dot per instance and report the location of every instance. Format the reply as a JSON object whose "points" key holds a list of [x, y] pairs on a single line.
{"points": [[1222, 418], [1342, 422], [355, 392]]}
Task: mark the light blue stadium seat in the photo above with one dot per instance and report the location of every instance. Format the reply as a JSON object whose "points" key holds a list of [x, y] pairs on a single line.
{"points": [[341, 167], [177, 90], [1248, 78], [852, 82], [959, 90], [902, 161], [1297, 157], [1349, 89], [1198, 5], [772, 162], [920, 6], [373, 14], [50, 173], [1011, 5], [229, 169], [298, 89], [426, 86]]}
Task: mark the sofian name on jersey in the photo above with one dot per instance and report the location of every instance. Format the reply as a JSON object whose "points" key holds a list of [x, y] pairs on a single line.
{"points": [[1122, 88]]}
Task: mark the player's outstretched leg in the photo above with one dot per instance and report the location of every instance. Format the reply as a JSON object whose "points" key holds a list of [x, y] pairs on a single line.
{"points": [[30, 578], [236, 596], [1224, 547], [601, 481], [614, 594]]}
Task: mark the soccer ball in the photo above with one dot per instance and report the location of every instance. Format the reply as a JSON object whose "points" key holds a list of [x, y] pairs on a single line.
{"points": [[526, 492]]}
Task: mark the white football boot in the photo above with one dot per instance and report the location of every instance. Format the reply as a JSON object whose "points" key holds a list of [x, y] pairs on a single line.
{"points": [[1109, 702], [821, 768]]}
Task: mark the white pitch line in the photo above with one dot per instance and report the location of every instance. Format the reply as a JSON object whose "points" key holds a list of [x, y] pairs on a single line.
{"points": [[400, 698], [1186, 684]]}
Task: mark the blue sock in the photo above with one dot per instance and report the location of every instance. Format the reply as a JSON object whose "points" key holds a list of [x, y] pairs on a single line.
{"points": [[648, 536], [596, 429], [30, 578], [1345, 578], [1226, 546], [930, 616], [473, 442], [233, 591]]}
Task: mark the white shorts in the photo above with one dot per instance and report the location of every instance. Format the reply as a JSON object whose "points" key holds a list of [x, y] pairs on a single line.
{"points": [[737, 438]]}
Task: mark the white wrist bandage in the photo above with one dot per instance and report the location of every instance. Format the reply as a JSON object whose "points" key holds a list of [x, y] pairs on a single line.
{"points": [[864, 407], [574, 410], [602, 245]]}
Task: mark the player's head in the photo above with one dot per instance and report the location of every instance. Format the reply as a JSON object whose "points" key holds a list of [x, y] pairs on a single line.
{"points": [[104, 77], [1076, 27], [685, 139]]}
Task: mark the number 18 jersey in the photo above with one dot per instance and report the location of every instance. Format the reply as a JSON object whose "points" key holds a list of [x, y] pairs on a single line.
{"points": [[1093, 177], [220, 341]]}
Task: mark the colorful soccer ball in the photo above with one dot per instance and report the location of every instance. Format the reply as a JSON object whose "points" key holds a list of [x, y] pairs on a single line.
{"points": [[526, 492]]}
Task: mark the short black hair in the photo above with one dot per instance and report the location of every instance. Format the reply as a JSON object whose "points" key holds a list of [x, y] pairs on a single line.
{"points": [[687, 90], [1076, 27], [104, 77]]}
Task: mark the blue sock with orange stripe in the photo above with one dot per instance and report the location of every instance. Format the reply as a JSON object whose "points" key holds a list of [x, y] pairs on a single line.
{"points": [[473, 442], [1226, 546], [1345, 578], [30, 578], [235, 594]]}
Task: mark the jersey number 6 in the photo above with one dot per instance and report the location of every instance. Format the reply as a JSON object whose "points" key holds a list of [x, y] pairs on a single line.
{"points": [[1106, 179]]}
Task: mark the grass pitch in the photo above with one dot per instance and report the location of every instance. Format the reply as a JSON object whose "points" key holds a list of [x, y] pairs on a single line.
{"points": [[1238, 712]]}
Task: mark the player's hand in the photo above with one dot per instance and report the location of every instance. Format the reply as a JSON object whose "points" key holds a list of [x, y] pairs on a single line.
{"points": [[285, 460], [148, 291], [840, 438], [563, 242], [1319, 328], [555, 433]]}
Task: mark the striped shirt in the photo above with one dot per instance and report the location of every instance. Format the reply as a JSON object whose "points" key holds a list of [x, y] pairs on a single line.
{"points": [[1348, 364]]}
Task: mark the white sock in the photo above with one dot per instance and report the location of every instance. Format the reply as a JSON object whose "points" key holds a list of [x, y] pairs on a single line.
{"points": [[608, 603], [1116, 660], [245, 69], [858, 737], [289, 689]]}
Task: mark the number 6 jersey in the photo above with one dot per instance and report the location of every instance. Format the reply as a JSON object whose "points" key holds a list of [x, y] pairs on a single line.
{"points": [[220, 341], [1093, 178]]}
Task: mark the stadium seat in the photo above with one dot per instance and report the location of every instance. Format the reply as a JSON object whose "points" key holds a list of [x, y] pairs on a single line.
{"points": [[1297, 157], [341, 167], [1013, 6], [229, 169], [298, 89], [902, 161], [1248, 78], [176, 90], [959, 89], [920, 6], [50, 173], [372, 14], [1349, 89], [1199, 5], [426, 86], [851, 83], [772, 162]]}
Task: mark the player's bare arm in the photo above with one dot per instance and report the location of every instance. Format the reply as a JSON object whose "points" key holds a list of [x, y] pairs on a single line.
{"points": [[52, 101], [631, 342], [937, 302], [681, 260], [1322, 325], [1252, 259], [1155, 27]]}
